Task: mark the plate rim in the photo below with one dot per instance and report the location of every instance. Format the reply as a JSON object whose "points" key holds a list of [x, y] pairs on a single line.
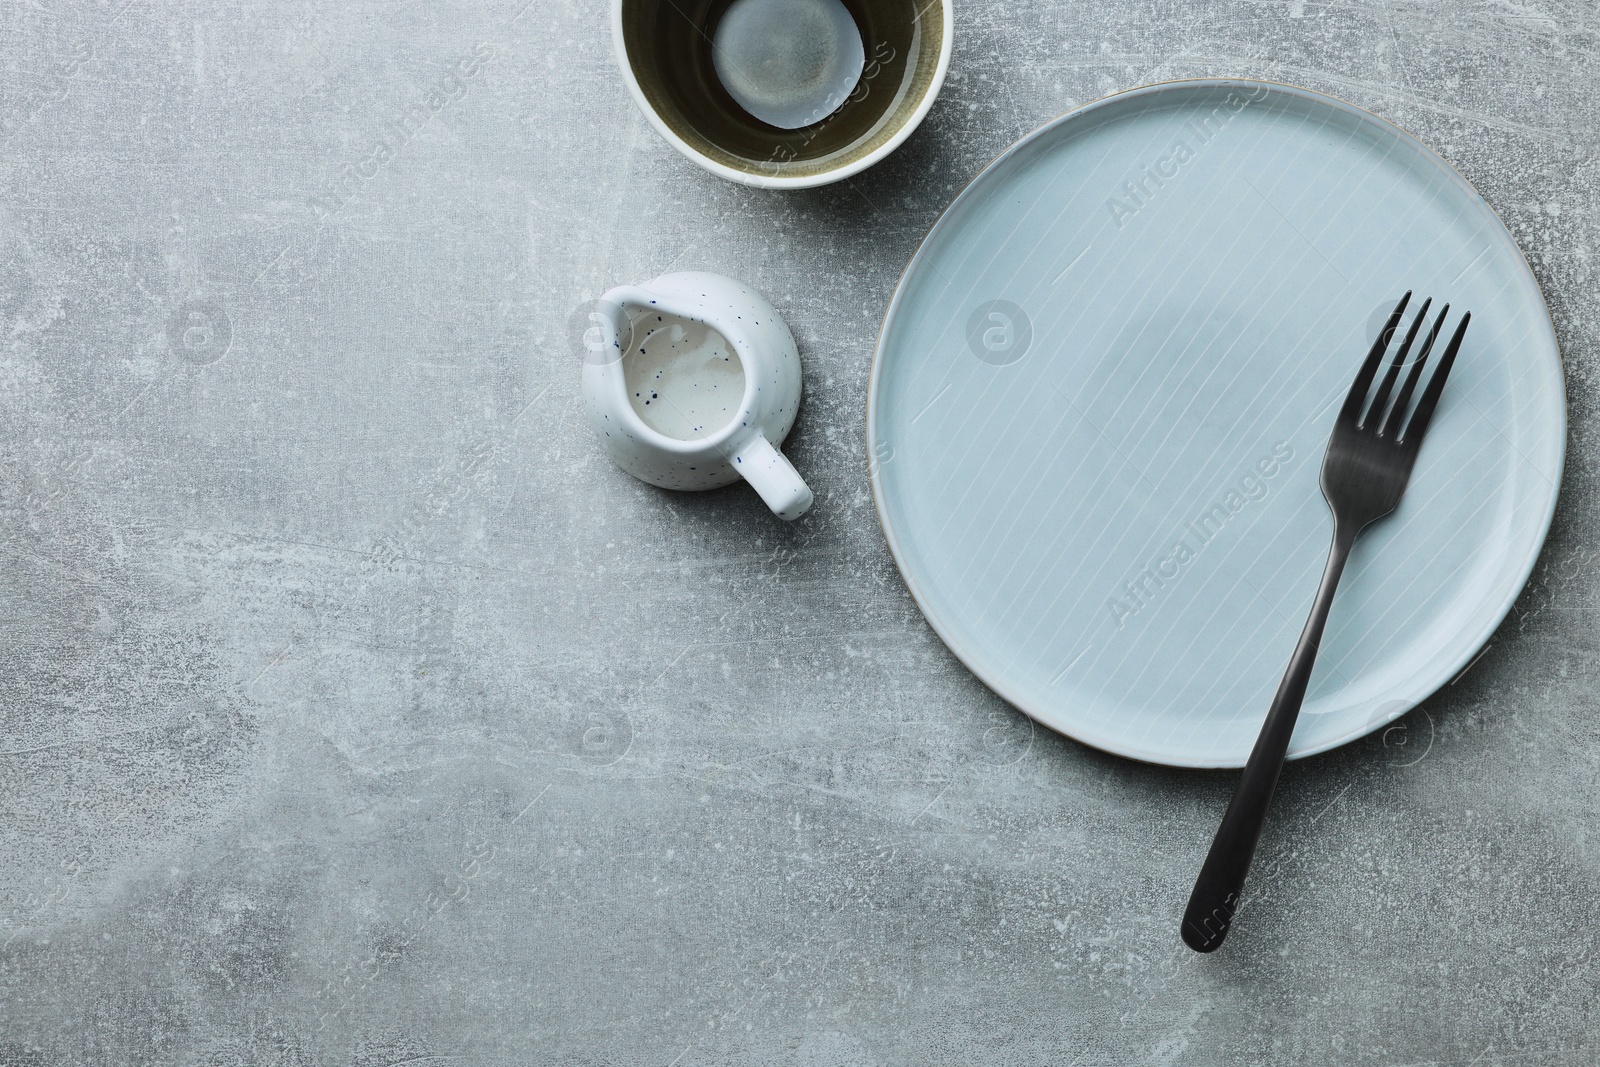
{"points": [[1111, 746]]}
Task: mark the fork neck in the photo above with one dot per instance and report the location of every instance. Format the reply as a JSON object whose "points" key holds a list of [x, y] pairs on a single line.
{"points": [[1344, 537]]}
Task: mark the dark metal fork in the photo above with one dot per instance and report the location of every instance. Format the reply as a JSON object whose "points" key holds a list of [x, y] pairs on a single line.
{"points": [[1365, 472]]}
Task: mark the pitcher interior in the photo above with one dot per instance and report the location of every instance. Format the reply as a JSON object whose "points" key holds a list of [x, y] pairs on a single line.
{"points": [[683, 378]]}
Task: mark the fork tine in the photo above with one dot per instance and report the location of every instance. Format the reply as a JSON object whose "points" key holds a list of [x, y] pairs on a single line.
{"points": [[1391, 425], [1380, 399], [1369, 368], [1430, 396]]}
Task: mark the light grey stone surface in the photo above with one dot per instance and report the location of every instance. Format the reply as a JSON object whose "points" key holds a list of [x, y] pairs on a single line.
{"points": [[356, 710]]}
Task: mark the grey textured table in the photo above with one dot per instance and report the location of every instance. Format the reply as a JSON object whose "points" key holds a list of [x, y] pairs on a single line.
{"points": [[356, 709]]}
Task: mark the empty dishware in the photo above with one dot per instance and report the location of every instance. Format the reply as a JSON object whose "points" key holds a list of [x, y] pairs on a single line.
{"points": [[1093, 509], [783, 93]]}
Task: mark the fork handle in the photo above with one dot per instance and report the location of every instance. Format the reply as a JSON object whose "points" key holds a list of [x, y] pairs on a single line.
{"points": [[1216, 895]]}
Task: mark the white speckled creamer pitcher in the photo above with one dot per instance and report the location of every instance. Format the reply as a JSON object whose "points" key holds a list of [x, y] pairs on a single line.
{"points": [[701, 451]]}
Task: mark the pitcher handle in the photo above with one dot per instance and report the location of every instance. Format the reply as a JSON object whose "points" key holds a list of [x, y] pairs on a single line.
{"points": [[774, 477]]}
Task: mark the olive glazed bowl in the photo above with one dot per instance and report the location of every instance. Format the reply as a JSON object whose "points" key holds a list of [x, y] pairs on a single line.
{"points": [[665, 50]]}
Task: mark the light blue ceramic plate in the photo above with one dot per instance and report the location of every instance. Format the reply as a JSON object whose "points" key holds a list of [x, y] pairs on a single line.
{"points": [[1102, 393]]}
